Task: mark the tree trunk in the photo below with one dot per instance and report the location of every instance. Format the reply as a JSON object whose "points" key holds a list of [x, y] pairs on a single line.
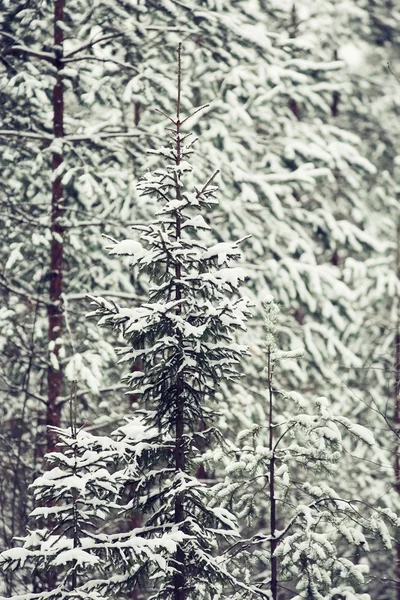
{"points": [[396, 416], [55, 308], [135, 520], [179, 517], [272, 500]]}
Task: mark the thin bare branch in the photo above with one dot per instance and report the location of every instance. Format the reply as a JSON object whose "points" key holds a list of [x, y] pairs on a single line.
{"points": [[194, 113], [207, 183], [393, 73], [165, 115]]}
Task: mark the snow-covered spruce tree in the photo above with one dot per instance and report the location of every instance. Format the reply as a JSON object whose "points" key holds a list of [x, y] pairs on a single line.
{"points": [[314, 541], [73, 497], [69, 553], [183, 335]]}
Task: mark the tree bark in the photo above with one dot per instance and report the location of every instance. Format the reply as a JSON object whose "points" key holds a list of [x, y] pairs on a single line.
{"points": [[396, 415], [55, 308]]}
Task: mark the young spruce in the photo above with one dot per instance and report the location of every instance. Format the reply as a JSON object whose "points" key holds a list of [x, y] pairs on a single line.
{"points": [[183, 338]]}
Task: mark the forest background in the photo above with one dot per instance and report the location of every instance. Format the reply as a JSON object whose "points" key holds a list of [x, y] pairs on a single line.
{"points": [[302, 124]]}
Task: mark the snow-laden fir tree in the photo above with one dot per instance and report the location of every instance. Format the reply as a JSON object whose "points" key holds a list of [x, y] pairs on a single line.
{"points": [[183, 336], [73, 497], [314, 540], [68, 550]]}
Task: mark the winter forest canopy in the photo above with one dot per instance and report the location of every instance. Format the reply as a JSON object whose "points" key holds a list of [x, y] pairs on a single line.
{"points": [[200, 284]]}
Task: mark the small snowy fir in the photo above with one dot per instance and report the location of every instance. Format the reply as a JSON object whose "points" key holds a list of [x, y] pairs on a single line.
{"points": [[182, 341]]}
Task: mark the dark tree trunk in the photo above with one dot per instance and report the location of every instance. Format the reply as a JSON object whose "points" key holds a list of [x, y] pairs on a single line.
{"points": [[55, 308], [293, 31], [396, 418], [335, 95]]}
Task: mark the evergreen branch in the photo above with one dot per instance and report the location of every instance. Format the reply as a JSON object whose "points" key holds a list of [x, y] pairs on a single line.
{"points": [[33, 300], [25, 51], [104, 38], [43, 137], [106, 294], [95, 137], [82, 392], [101, 60]]}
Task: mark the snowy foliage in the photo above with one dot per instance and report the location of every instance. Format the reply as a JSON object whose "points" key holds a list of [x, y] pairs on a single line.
{"points": [[183, 339], [72, 498], [303, 125], [289, 470]]}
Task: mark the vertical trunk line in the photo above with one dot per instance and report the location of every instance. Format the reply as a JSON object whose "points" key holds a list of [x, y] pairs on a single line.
{"points": [[336, 94], [397, 414], [179, 516], [137, 105], [293, 31], [273, 542], [55, 307], [76, 541], [135, 520]]}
